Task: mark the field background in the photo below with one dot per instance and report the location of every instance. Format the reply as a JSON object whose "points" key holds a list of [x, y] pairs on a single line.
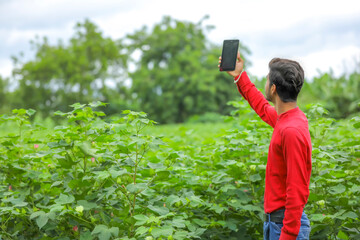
{"points": [[143, 138], [126, 178]]}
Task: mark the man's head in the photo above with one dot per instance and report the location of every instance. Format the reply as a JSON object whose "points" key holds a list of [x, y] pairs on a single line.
{"points": [[285, 79]]}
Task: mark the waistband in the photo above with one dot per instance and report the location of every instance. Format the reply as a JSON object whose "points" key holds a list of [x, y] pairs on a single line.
{"points": [[276, 216]]}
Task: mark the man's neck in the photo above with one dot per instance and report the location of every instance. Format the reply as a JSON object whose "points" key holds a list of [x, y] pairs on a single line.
{"points": [[282, 107]]}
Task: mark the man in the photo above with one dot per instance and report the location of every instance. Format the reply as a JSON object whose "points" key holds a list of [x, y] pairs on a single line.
{"points": [[288, 166]]}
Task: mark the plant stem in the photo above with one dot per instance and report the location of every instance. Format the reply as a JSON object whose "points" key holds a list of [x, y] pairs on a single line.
{"points": [[81, 219], [84, 165]]}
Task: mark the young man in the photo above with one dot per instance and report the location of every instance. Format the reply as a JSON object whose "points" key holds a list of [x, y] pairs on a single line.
{"points": [[288, 166]]}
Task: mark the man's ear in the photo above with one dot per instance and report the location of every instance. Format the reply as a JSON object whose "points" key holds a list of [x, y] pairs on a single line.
{"points": [[273, 89]]}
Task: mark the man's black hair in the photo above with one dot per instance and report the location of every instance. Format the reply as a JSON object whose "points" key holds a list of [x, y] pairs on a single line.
{"points": [[288, 77]]}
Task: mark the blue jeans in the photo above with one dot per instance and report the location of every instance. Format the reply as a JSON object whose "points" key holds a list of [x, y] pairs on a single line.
{"points": [[272, 230]]}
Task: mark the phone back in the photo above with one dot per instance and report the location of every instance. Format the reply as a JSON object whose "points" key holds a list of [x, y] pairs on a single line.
{"points": [[228, 56]]}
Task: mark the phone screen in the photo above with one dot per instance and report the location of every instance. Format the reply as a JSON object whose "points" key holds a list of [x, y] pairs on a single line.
{"points": [[229, 54]]}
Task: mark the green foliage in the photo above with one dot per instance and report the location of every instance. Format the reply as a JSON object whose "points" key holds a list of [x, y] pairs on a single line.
{"points": [[76, 72], [176, 76], [126, 179], [209, 117], [173, 75], [3, 90], [341, 96], [333, 203]]}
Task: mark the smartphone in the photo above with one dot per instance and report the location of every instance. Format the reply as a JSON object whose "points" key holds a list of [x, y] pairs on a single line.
{"points": [[229, 54]]}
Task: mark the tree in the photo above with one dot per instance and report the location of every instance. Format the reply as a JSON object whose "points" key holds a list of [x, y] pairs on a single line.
{"points": [[4, 83], [63, 74], [341, 96], [176, 75]]}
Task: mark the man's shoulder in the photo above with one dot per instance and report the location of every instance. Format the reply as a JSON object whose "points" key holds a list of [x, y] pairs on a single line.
{"points": [[292, 132], [298, 121]]}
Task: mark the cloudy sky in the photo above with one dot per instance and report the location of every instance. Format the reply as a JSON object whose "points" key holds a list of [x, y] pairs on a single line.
{"points": [[320, 34]]}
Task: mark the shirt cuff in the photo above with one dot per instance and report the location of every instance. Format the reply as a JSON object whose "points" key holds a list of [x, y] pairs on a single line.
{"points": [[237, 78], [286, 236]]}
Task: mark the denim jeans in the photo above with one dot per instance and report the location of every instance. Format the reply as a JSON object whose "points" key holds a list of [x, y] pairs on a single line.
{"points": [[272, 230]]}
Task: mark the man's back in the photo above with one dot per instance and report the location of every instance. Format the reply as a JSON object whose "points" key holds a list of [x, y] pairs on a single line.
{"points": [[288, 168]]}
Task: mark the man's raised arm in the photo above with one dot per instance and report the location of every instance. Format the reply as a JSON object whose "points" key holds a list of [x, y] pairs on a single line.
{"points": [[251, 94]]}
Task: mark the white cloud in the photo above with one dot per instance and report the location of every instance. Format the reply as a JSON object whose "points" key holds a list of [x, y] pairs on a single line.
{"points": [[307, 30], [343, 60], [43, 13], [5, 67]]}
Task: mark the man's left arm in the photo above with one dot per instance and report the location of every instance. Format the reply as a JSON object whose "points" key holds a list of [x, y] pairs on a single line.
{"points": [[295, 152]]}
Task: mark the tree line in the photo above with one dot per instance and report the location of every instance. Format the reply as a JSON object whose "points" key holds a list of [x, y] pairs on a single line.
{"points": [[168, 71]]}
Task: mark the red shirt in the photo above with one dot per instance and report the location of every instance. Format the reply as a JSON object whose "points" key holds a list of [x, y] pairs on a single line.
{"points": [[288, 166]]}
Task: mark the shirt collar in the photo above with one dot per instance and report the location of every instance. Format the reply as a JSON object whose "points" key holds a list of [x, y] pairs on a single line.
{"points": [[288, 112]]}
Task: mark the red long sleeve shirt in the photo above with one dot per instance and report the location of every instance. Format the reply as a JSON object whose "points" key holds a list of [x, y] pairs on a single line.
{"points": [[288, 168]]}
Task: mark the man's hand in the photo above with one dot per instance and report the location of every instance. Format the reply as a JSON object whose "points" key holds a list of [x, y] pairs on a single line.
{"points": [[239, 66]]}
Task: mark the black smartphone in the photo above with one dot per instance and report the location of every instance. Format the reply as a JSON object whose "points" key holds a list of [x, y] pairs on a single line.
{"points": [[229, 54]]}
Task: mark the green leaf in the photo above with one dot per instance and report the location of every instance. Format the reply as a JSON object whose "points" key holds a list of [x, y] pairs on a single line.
{"points": [[180, 235], [102, 175], [337, 189], [196, 201], [162, 175], [17, 202], [136, 188], [87, 205], [199, 231], [66, 162], [97, 104], [36, 214], [86, 236], [164, 231], [255, 178], [77, 106], [357, 122], [178, 222], [200, 222], [19, 112], [155, 165], [86, 149], [252, 208], [115, 173], [56, 208], [355, 188], [145, 121], [342, 235], [30, 112], [227, 187], [140, 219], [350, 214], [220, 178], [159, 210], [65, 199], [172, 199], [317, 217], [59, 113], [217, 208], [141, 230], [105, 233], [41, 218], [57, 183]]}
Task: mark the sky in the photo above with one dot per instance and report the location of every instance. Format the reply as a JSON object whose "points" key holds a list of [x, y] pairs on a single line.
{"points": [[319, 34]]}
